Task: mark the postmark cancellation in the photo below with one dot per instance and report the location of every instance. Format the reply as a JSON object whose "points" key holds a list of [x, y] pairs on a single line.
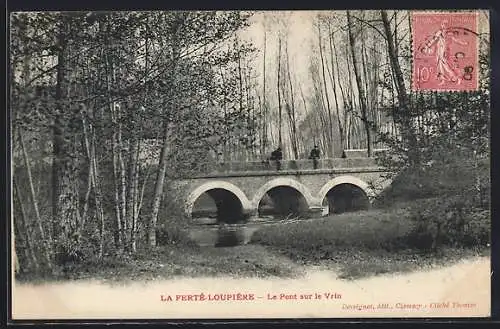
{"points": [[445, 51]]}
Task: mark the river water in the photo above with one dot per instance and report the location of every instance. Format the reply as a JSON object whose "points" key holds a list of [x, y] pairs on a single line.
{"points": [[227, 235]]}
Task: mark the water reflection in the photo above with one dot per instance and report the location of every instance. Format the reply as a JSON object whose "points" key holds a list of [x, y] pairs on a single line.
{"points": [[222, 235]]}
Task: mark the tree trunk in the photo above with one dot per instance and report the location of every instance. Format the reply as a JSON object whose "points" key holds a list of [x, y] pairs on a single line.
{"points": [[226, 136], [118, 217], [362, 99], [349, 117], [64, 169], [368, 120], [278, 90], [329, 111], [22, 226], [264, 104], [240, 96], [136, 201], [28, 238], [46, 250], [97, 194], [334, 85], [132, 189], [158, 192], [109, 74], [132, 181], [293, 124], [402, 115], [122, 183], [162, 165], [90, 142]]}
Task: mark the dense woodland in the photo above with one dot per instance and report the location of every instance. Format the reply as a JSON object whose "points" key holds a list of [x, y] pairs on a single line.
{"points": [[97, 97]]}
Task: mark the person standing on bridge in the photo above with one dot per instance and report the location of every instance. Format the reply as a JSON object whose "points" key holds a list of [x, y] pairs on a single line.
{"points": [[277, 155], [314, 155]]}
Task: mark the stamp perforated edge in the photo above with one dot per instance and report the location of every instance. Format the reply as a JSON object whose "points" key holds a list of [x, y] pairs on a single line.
{"points": [[412, 49]]}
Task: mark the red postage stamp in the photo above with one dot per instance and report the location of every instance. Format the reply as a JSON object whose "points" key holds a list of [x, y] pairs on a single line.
{"points": [[445, 51]]}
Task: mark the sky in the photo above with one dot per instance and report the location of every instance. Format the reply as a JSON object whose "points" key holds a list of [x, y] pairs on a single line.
{"points": [[301, 37]]}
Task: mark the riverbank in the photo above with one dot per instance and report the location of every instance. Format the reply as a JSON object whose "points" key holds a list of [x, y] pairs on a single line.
{"points": [[254, 261]]}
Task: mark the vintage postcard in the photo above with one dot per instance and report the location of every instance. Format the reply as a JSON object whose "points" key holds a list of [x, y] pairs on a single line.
{"points": [[250, 164]]}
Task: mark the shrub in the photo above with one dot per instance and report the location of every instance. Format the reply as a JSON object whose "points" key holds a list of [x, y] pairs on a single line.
{"points": [[444, 173], [172, 221], [168, 233], [453, 221], [171, 227], [477, 230]]}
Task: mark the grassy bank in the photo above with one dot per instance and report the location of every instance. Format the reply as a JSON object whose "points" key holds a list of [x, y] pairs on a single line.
{"points": [[180, 261], [360, 244], [380, 229]]}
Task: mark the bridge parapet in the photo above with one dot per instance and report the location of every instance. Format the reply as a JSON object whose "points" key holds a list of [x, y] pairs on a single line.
{"points": [[287, 165]]}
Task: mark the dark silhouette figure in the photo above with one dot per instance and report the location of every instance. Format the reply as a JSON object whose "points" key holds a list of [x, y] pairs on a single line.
{"points": [[277, 156], [314, 155]]}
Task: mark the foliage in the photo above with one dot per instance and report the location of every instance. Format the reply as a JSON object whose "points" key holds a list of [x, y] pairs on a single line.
{"points": [[449, 169], [453, 221], [171, 228], [89, 89]]}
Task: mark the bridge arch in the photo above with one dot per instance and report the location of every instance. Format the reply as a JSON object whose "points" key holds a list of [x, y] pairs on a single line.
{"points": [[351, 183], [286, 182], [221, 185], [346, 179]]}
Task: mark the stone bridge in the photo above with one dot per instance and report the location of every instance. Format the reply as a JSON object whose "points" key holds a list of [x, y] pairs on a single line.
{"points": [[246, 191]]}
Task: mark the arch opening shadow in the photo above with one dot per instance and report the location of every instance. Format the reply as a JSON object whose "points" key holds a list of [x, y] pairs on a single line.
{"points": [[346, 198], [282, 202], [219, 204]]}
